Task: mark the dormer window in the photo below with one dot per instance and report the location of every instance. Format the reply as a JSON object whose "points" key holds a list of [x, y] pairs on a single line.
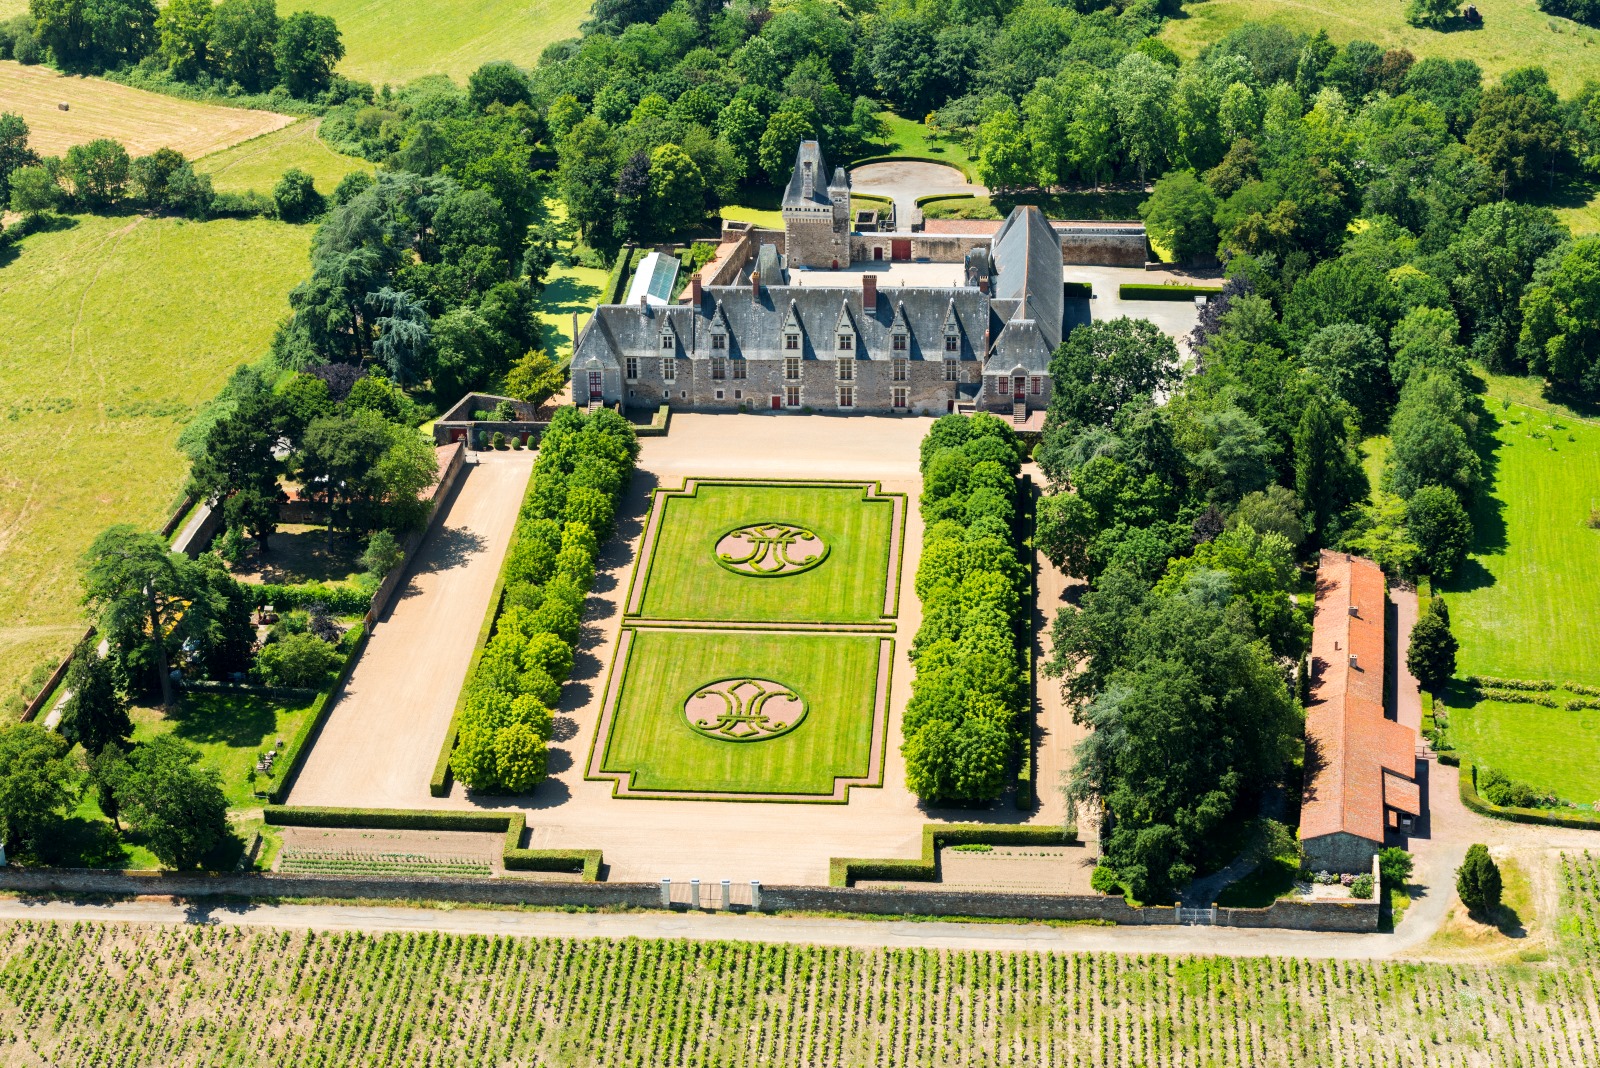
{"points": [[791, 342], [847, 343], [901, 342], [666, 343], [719, 342]]}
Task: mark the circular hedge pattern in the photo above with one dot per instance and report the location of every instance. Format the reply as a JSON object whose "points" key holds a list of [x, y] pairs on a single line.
{"points": [[768, 550], [744, 710]]}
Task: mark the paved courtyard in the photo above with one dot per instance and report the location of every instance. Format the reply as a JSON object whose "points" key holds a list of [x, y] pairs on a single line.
{"points": [[903, 181]]}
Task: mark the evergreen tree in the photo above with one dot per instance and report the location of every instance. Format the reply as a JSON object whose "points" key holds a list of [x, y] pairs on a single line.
{"points": [[1327, 477], [97, 713], [1432, 656], [1478, 881]]}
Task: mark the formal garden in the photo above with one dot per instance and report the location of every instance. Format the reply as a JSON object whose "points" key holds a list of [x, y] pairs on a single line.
{"points": [[752, 665]]}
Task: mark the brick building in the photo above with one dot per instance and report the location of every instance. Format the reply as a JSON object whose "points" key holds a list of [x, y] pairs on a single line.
{"points": [[1360, 765], [797, 328]]}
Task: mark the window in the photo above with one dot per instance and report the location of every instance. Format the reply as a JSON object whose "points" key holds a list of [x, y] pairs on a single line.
{"points": [[901, 342], [951, 368], [738, 370], [847, 342], [952, 343], [738, 394], [719, 394], [669, 369], [632, 369], [1035, 385], [719, 368], [791, 342], [666, 342], [900, 370], [719, 342], [847, 370], [791, 368], [791, 396], [899, 396], [847, 397]]}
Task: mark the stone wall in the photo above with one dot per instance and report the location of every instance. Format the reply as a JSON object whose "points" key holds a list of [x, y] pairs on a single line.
{"points": [[454, 457], [1341, 852], [935, 248], [1358, 917], [1103, 247], [911, 901]]}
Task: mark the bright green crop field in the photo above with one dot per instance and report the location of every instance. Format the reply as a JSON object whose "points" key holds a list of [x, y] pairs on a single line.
{"points": [[685, 581], [257, 164], [1514, 33], [835, 675], [115, 331], [397, 40]]}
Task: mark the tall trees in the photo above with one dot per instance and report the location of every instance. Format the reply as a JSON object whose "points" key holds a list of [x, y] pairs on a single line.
{"points": [[174, 801], [1560, 337], [1431, 657], [96, 714], [136, 586], [1179, 215], [243, 36], [35, 783]]}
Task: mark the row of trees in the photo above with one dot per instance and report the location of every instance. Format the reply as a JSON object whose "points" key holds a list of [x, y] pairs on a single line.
{"points": [[971, 680], [584, 465], [233, 46]]}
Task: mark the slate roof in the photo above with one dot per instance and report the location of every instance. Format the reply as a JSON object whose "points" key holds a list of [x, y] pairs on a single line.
{"points": [[795, 194], [1357, 759], [769, 265], [1027, 261]]}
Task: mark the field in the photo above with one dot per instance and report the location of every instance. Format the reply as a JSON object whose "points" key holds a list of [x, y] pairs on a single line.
{"points": [[397, 40], [833, 675], [1514, 33], [116, 330], [259, 163], [1552, 748], [94, 994], [683, 579], [142, 121]]}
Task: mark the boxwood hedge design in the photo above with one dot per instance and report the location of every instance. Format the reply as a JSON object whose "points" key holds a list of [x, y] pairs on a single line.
{"points": [[1148, 291], [844, 871]]}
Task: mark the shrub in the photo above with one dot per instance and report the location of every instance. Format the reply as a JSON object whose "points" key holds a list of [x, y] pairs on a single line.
{"points": [[296, 197], [1103, 880], [1394, 865], [1361, 887], [1478, 881], [299, 661], [381, 554]]}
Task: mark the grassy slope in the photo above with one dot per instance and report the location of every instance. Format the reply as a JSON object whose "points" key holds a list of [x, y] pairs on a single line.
{"points": [[834, 674], [141, 120], [116, 329], [1515, 32], [258, 164], [1528, 603], [685, 582], [397, 40]]}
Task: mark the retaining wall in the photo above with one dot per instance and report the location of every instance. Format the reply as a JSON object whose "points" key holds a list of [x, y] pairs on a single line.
{"points": [[1357, 917], [920, 902]]}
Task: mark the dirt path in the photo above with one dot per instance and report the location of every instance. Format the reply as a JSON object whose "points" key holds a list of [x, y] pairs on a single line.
{"points": [[378, 747]]}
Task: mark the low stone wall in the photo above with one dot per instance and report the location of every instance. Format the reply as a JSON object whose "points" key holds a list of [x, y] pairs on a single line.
{"points": [[1357, 917], [912, 901], [1109, 247], [195, 540], [454, 460]]}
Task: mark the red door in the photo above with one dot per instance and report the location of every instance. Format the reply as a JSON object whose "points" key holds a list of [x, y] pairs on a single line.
{"points": [[877, 252], [777, 403], [1019, 387], [458, 435], [595, 387], [900, 248]]}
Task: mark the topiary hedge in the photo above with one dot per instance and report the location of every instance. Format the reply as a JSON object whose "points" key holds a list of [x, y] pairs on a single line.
{"points": [[1149, 291], [971, 679], [1481, 805], [844, 871], [341, 600], [498, 737]]}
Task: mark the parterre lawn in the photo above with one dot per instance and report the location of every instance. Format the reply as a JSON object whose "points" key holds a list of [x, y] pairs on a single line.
{"points": [[835, 675], [686, 582]]}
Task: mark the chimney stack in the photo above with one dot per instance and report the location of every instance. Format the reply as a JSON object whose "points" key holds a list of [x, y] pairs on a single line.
{"points": [[755, 283], [983, 283], [695, 292], [869, 291]]}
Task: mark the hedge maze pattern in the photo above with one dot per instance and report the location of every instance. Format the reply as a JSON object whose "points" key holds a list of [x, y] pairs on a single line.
{"points": [[95, 994]]}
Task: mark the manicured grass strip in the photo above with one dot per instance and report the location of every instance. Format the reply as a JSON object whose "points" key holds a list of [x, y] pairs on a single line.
{"points": [[1548, 817], [515, 858], [844, 871], [1147, 291]]}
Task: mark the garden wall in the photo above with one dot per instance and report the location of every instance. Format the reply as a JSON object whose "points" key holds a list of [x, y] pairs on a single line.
{"points": [[452, 461], [1357, 917], [919, 902]]}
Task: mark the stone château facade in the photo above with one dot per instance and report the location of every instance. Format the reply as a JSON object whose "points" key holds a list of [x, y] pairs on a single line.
{"points": [[841, 341]]}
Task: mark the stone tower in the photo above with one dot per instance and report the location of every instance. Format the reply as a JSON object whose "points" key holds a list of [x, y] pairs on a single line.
{"points": [[816, 212]]}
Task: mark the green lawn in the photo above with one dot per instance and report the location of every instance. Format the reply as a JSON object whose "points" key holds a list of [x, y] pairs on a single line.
{"points": [[686, 582], [1549, 748], [1514, 33], [398, 40], [910, 137], [835, 676], [1527, 604], [115, 331], [258, 164], [1108, 204], [1269, 881], [231, 731]]}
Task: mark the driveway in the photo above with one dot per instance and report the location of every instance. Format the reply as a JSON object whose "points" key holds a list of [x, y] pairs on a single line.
{"points": [[378, 746], [903, 181]]}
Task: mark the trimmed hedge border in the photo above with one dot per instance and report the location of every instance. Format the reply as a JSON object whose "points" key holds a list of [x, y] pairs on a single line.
{"points": [[585, 862], [660, 423], [1546, 817], [1149, 291], [862, 162], [843, 871], [1077, 290], [294, 754], [341, 600]]}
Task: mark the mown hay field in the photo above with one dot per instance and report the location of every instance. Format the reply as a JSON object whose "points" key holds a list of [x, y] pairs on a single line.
{"points": [[1514, 33], [257, 164], [141, 120], [116, 330], [94, 994], [395, 41]]}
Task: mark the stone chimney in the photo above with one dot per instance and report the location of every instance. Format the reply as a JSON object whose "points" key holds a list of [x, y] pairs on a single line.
{"points": [[869, 291], [755, 284], [696, 293], [983, 283]]}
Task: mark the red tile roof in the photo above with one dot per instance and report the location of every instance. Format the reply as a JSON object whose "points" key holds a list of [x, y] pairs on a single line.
{"points": [[1351, 749]]}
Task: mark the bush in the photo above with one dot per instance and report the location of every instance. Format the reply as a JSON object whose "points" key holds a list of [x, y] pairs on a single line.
{"points": [[381, 554], [296, 197], [1361, 887], [1104, 880], [301, 661], [1394, 865], [498, 440], [1478, 881]]}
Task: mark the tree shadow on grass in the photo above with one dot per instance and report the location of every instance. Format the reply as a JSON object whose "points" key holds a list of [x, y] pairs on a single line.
{"points": [[80, 842], [237, 721]]}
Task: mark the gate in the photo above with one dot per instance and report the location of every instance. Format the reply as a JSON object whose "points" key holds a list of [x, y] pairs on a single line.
{"points": [[1198, 917], [900, 248]]}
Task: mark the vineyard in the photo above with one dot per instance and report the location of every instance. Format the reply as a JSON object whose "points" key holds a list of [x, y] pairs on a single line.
{"points": [[104, 994]]}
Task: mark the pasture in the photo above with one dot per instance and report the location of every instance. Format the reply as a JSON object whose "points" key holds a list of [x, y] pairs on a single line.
{"points": [[1514, 33], [117, 329], [395, 41], [257, 164], [141, 120], [831, 676]]}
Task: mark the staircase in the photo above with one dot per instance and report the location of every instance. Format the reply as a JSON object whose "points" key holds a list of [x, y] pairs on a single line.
{"points": [[1019, 412]]}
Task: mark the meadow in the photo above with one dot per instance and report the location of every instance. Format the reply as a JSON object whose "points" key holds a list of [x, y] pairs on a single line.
{"points": [[117, 330], [1550, 748], [395, 41], [92, 994], [141, 120], [834, 674], [257, 164], [1514, 33], [685, 581]]}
